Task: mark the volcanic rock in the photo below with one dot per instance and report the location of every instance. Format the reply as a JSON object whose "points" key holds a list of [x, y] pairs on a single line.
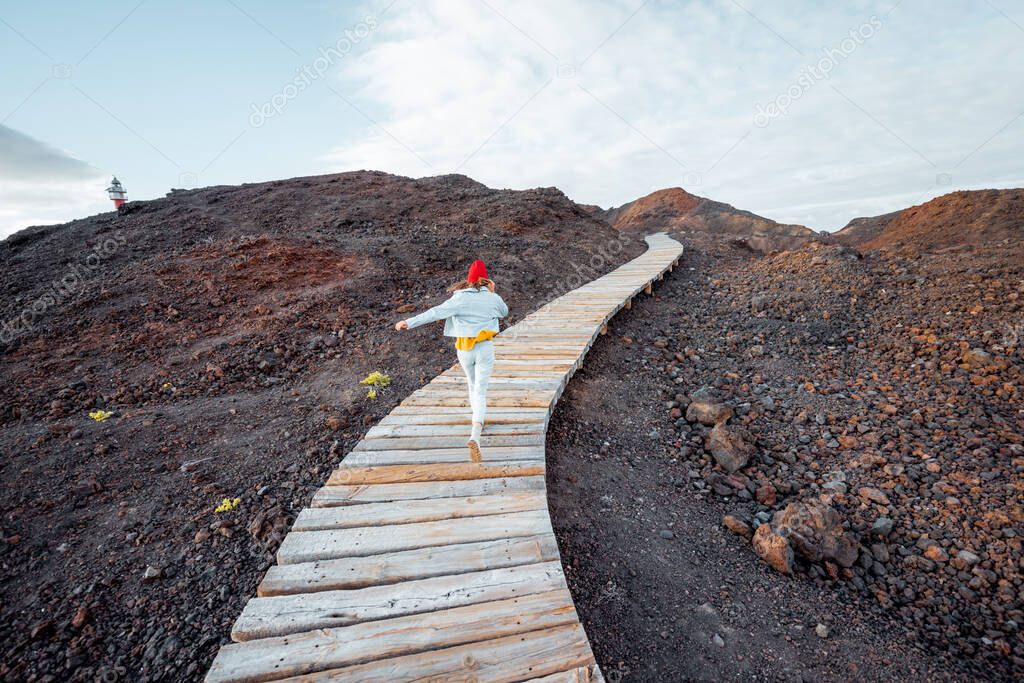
{"points": [[731, 447], [773, 549], [815, 531], [708, 413]]}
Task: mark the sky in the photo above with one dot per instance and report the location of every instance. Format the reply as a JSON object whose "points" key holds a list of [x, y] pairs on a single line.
{"points": [[807, 112]]}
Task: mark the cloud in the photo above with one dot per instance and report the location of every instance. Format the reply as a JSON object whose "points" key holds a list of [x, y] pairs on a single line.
{"points": [[40, 184], [610, 101]]}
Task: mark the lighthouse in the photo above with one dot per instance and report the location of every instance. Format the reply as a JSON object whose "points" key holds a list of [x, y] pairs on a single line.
{"points": [[116, 192]]}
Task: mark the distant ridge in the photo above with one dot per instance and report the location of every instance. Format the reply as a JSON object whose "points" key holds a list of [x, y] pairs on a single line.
{"points": [[966, 217], [676, 209]]}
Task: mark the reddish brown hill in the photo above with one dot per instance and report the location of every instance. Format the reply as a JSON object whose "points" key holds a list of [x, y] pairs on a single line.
{"points": [[664, 207], [974, 218], [676, 209]]}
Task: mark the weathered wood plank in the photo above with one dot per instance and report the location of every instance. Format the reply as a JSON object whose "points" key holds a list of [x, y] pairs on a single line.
{"points": [[329, 496], [381, 514], [310, 546], [286, 614], [525, 401], [414, 443], [407, 565], [445, 471], [270, 659], [491, 454], [465, 418], [501, 660], [401, 410], [491, 429]]}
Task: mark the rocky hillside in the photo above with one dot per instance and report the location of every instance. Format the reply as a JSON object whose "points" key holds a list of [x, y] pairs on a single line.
{"points": [[862, 230], [856, 421], [676, 209], [965, 218], [223, 331]]}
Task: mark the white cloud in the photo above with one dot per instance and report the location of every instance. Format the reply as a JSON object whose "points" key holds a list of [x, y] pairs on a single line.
{"points": [[485, 89], [41, 185]]}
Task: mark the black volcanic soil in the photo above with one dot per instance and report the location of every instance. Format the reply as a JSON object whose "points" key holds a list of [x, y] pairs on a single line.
{"points": [[839, 400], [226, 329]]}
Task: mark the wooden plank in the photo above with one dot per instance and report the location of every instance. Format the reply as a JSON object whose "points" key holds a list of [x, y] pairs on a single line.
{"points": [[286, 614], [400, 410], [329, 496], [446, 471], [525, 401], [456, 390], [504, 383], [465, 418], [491, 429], [414, 443], [310, 546], [457, 386], [501, 660], [378, 514], [496, 454], [407, 565], [518, 348], [315, 651]]}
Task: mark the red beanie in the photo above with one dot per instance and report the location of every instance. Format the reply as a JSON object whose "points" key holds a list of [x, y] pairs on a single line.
{"points": [[476, 271]]}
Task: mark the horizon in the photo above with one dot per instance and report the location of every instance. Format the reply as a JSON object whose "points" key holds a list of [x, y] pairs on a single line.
{"points": [[370, 170], [729, 101]]}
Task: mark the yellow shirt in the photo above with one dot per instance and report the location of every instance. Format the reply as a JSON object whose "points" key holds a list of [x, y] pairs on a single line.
{"points": [[467, 343]]}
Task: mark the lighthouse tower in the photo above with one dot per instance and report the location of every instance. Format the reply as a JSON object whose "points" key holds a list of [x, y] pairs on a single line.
{"points": [[116, 192]]}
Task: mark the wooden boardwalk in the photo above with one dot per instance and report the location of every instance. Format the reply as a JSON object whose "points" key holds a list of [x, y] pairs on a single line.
{"points": [[415, 564]]}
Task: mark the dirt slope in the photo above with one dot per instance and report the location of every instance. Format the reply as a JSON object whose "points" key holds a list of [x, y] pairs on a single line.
{"points": [[878, 404]]}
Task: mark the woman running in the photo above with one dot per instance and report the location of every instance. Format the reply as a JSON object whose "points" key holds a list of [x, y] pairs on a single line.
{"points": [[471, 316]]}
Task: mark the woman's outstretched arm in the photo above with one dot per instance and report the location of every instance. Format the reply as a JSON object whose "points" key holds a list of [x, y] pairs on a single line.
{"points": [[439, 312]]}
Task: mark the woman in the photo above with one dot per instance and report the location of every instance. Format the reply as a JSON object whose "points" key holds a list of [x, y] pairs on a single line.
{"points": [[471, 316]]}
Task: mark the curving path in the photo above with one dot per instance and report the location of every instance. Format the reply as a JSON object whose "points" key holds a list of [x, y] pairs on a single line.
{"points": [[415, 564]]}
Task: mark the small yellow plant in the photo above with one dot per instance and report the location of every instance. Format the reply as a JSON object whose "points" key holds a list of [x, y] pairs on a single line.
{"points": [[377, 379], [100, 415], [227, 505]]}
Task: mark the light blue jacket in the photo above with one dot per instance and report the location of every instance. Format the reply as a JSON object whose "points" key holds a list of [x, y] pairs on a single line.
{"points": [[466, 314]]}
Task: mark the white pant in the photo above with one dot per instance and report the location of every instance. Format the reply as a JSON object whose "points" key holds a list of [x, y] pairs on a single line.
{"points": [[477, 363]]}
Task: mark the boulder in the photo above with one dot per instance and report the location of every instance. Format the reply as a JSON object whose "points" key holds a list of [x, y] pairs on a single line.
{"points": [[731, 447], [708, 413], [773, 549], [815, 530]]}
